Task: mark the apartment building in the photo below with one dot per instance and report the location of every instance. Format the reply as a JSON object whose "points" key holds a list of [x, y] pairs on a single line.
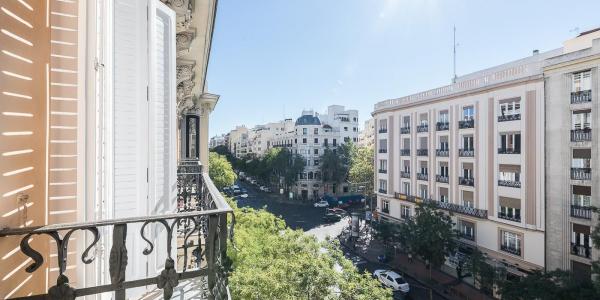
{"points": [[218, 140], [238, 141], [311, 135], [572, 164], [92, 95], [475, 149], [366, 137]]}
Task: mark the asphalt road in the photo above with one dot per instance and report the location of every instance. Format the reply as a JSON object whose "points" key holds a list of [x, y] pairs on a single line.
{"points": [[309, 219]]}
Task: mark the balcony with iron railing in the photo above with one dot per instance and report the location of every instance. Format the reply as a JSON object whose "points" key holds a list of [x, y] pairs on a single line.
{"points": [[582, 212], [581, 135], [509, 183], [382, 171], [511, 117], [382, 150], [464, 124], [201, 228], [442, 152], [466, 152], [509, 151], [383, 130], [422, 176], [581, 173], [581, 97], [421, 152], [442, 178], [404, 152], [382, 191], [581, 250], [511, 250], [441, 126], [385, 210], [405, 130], [468, 181], [509, 217], [423, 128], [460, 209], [467, 236], [405, 174]]}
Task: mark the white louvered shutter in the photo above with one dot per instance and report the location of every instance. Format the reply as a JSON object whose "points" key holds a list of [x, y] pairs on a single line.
{"points": [[162, 115], [129, 136]]}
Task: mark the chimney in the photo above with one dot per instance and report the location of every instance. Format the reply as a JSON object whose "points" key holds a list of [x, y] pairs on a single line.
{"points": [[536, 52]]}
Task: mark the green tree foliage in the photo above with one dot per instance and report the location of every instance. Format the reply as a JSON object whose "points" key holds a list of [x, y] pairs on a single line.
{"points": [[272, 261], [335, 163], [362, 170], [220, 170], [429, 234], [552, 285], [485, 275]]}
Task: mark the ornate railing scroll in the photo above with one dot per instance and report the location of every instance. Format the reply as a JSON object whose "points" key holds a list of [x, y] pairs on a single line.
{"points": [[205, 218]]}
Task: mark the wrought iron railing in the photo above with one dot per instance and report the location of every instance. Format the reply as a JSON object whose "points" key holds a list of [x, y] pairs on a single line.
{"points": [[581, 97], [581, 173], [442, 178], [468, 181], [422, 176], [442, 152], [511, 250], [382, 171], [582, 212], [581, 135], [506, 118], [423, 128], [466, 124], [440, 126], [405, 174], [461, 209], [509, 183], [382, 150], [466, 152], [404, 152], [204, 219], [509, 151], [509, 217], [581, 250], [382, 191], [404, 130], [382, 130], [421, 152]]}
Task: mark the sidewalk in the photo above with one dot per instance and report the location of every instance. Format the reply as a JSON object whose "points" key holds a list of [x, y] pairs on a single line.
{"points": [[443, 284]]}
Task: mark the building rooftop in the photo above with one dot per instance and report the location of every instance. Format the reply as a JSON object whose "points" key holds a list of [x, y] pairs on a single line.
{"points": [[308, 120]]}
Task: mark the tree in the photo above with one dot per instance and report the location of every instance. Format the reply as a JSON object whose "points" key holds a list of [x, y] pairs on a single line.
{"points": [[335, 163], [362, 168], [220, 170], [272, 261], [484, 275], [557, 284], [429, 234]]}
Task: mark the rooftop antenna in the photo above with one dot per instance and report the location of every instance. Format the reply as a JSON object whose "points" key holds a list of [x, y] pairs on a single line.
{"points": [[454, 44]]}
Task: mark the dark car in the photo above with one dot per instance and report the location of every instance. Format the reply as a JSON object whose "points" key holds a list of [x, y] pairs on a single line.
{"points": [[331, 217]]}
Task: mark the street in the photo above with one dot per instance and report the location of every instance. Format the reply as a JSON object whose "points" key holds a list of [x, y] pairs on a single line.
{"points": [[308, 218]]}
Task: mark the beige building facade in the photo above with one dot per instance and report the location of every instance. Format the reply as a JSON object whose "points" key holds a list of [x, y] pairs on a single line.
{"points": [[475, 149]]}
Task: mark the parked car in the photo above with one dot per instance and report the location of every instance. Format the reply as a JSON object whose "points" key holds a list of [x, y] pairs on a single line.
{"points": [[321, 203], [265, 189], [331, 218], [392, 280], [337, 211]]}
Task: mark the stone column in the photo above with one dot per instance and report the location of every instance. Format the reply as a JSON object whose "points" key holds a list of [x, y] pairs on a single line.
{"points": [[207, 103]]}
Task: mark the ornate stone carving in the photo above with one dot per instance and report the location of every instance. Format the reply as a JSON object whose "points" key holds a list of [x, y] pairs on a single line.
{"points": [[184, 72], [184, 39]]}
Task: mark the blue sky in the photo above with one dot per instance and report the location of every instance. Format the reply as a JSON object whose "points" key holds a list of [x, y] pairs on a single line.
{"points": [[271, 59]]}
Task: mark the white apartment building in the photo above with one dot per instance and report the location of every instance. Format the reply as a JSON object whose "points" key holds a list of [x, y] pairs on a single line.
{"points": [[474, 148], [572, 152], [218, 140], [238, 141], [312, 133], [366, 137]]}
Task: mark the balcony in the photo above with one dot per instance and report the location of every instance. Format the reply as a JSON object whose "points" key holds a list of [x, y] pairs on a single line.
{"points": [[382, 191], [404, 130], [404, 152], [382, 171], [466, 181], [509, 183], [423, 128], [581, 97], [382, 150], [421, 176], [466, 236], [466, 152], [421, 152], [382, 130], [581, 173], [441, 126], [581, 135], [461, 209], [506, 118], [466, 124], [509, 151], [405, 197], [405, 174], [385, 210], [442, 178], [582, 212], [201, 231], [511, 250], [581, 250], [442, 152], [515, 218]]}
